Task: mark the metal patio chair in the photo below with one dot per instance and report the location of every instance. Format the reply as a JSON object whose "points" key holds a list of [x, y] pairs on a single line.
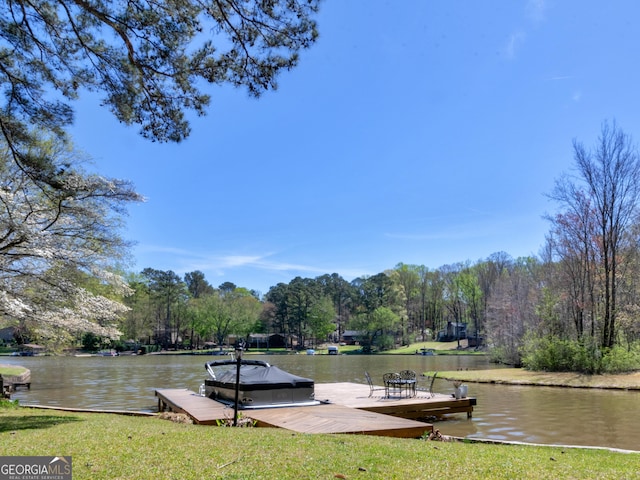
{"points": [[372, 388], [433, 379], [392, 382]]}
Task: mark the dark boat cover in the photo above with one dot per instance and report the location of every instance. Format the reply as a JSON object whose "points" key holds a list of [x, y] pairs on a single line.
{"points": [[253, 377]]}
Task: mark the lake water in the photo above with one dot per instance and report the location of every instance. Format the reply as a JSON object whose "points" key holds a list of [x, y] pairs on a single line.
{"points": [[547, 415]]}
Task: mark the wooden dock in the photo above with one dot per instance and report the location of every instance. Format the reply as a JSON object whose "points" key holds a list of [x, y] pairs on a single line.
{"points": [[329, 418], [345, 408], [201, 409], [422, 406], [323, 418], [10, 383]]}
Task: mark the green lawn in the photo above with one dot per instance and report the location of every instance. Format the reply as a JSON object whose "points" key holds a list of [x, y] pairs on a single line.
{"points": [[520, 376], [441, 348], [121, 447]]}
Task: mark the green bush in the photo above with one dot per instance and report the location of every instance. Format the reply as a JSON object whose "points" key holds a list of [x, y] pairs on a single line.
{"points": [[91, 342], [7, 404], [552, 354], [505, 355], [384, 342], [620, 359], [497, 355], [559, 355]]}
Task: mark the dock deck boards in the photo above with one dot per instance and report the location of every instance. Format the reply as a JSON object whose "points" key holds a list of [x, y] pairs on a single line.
{"points": [[356, 395], [346, 408], [328, 418], [202, 410]]}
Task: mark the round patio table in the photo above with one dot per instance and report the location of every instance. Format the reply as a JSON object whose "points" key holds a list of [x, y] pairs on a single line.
{"points": [[395, 381]]}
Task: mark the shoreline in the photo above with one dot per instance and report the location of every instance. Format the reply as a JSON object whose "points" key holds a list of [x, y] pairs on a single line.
{"points": [[521, 377]]}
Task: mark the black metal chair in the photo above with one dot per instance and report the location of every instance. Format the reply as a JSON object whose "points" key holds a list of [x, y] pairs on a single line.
{"points": [[433, 379], [372, 388], [392, 382]]}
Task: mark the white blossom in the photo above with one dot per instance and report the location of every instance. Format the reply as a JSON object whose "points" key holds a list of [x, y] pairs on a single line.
{"points": [[57, 235]]}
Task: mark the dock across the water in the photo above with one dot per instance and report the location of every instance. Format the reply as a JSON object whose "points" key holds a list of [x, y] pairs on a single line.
{"points": [[10, 383], [345, 408]]}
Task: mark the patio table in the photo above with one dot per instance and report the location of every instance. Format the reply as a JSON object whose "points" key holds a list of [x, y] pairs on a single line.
{"points": [[394, 381]]}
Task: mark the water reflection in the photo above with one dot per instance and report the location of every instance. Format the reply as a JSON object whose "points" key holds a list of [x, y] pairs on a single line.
{"points": [[517, 413]]}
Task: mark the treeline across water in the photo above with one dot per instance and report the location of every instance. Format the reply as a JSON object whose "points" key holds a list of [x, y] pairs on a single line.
{"points": [[574, 307]]}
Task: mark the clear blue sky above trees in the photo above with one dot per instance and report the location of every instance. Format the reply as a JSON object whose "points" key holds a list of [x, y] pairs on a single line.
{"points": [[415, 132]]}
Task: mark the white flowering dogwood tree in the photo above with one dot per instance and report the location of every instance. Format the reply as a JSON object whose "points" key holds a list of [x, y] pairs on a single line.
{"points": [[60, 241]]}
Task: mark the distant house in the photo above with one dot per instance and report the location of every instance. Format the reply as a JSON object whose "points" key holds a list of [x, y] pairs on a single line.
{"points": [[30, 349], [351, 337], [263, 340], [454, 331]]}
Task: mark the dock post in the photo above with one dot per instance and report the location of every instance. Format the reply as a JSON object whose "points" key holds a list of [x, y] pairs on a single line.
{"points": [[239, 347]]}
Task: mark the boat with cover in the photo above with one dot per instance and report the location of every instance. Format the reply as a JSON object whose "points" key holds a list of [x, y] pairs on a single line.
{"points": [[261, 385]]}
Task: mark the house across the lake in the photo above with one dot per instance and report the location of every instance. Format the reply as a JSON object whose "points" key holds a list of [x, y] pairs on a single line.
{"points": [[454, 331], [351, 337], [263, 340]]}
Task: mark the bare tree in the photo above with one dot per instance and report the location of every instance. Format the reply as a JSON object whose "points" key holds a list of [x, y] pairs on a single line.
{"points": [[511, 310], [573, 242], [607, 189]]}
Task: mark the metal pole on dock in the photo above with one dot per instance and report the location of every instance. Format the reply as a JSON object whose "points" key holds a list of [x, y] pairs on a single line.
{"points": [[238, 363]]}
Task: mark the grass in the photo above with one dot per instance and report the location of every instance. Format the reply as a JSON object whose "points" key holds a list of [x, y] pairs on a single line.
{"points": [[113, 447], [441, 348], [519, 376], [11, 370]]}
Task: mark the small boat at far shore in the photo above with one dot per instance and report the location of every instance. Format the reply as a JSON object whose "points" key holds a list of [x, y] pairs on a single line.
{"points": [[426, 351], [261, 385], [107, 353]]}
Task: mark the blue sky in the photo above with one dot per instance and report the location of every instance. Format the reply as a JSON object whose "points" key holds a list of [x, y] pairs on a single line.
{"points": [[422, 132]]}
